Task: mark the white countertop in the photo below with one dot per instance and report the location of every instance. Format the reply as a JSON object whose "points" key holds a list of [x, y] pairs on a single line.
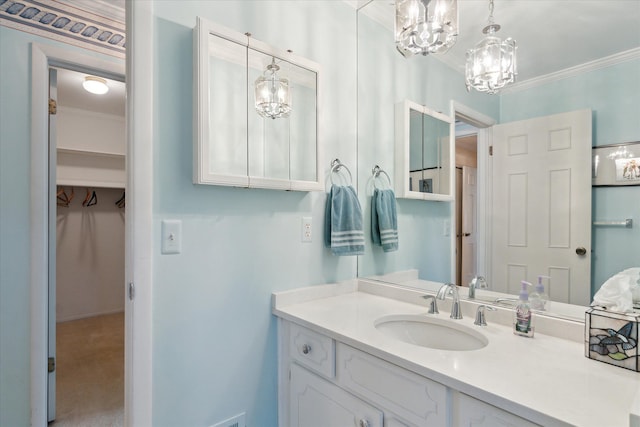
{"points": [[545, 379]]}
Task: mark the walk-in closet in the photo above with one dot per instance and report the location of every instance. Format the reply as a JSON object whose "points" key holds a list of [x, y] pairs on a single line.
{"points": [[88, 133]]}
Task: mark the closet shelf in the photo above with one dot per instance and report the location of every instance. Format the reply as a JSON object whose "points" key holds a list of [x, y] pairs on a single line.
{"points": [[90, 169], [73, 151]]}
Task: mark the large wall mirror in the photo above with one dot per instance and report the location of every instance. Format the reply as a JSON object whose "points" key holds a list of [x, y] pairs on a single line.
{"points": [[256, 113], [426, 249]]}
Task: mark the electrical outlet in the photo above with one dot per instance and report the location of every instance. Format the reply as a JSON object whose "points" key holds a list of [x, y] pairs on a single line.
{"points": [[307, 229]]}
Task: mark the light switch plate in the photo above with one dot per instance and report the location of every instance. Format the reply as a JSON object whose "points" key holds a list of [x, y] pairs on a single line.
{"points": [[171, 236]]}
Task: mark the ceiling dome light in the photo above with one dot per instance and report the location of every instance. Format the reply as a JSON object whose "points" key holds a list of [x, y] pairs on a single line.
{"points": [[491, 64], [95, 85], [425, 26]]}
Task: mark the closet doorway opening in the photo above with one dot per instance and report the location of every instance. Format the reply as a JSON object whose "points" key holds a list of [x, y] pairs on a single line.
{"points": [[87, 176], [466, 202]]}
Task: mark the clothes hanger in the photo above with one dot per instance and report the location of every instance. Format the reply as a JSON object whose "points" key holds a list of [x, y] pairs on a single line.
{"points": [[121, 201], [63, 199], [90, 199]]}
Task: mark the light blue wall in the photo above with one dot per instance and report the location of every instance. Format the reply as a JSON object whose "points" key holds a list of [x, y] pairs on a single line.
{"points": [[14, 227], [613, 93], [15, 124], [214, 339], [384, 79]]}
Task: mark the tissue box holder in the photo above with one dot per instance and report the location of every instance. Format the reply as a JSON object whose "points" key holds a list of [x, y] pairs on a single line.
{"points": [[612, 338]]}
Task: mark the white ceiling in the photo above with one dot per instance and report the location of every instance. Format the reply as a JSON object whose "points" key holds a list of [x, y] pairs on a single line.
{"points": [[71, 94], [551, 35]]}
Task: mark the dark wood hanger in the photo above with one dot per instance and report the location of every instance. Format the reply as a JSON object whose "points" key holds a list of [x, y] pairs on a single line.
{"points": [[62, 198]]}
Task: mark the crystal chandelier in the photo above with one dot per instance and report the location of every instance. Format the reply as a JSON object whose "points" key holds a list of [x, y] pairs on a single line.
{"points": [[425, 26], [491, 64], [272, 93]]}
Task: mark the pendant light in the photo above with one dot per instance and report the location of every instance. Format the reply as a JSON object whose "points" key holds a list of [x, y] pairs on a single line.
{"points": [[491, 64], [272, 93], [425, 26]]}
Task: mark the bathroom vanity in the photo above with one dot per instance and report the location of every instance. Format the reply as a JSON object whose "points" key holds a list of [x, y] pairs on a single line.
{"points": [[340, 365]]}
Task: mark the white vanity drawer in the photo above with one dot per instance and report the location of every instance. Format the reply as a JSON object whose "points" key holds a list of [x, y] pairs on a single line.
{"points": [[468, 411], [312, 350], [421, 401]]}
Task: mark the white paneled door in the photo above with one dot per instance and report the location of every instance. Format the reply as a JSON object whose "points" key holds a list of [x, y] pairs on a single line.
{"points": [[541, 207]]}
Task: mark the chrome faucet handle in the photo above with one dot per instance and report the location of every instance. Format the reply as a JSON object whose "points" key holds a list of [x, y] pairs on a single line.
{"points": [[433, 306], [450, 288], [480, 317]]}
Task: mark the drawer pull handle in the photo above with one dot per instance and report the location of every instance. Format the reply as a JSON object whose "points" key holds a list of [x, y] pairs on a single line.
{"points": [[363, 423], [306, 349]]}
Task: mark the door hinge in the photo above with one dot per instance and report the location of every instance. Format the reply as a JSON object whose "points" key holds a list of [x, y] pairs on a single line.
{"points": [[132, 291], [51, 365], [491, 150], [53, 106]]}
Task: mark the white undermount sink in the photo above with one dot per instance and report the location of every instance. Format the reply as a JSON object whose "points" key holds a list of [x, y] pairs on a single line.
{"points": [[431, 332]]}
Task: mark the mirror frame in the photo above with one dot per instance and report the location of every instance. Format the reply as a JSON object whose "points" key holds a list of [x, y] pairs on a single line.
{"points": [[202, 128], [402, 152]]}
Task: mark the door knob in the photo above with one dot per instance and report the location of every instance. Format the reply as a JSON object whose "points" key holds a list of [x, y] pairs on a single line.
{"points": [[581, 251], [467, 234]]}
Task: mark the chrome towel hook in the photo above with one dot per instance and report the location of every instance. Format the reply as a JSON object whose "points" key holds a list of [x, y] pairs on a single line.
{"points": [[376, 171], [336, 165]]}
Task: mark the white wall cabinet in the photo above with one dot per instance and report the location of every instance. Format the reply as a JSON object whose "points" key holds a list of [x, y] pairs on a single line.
{"points": [[235, 144], [424, 153], [365, 390]]}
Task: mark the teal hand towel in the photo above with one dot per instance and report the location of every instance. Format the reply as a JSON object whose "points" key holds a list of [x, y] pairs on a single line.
{"points": [[343, 231], [384, 220]]}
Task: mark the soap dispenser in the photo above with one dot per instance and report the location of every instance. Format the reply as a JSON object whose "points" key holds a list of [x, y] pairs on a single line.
{"points": [[538, 298], [522, 316]]}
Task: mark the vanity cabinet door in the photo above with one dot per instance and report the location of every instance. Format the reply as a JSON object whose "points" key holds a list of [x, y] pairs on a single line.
{"points": [[470, 412], [419, 400], [318, 403]]}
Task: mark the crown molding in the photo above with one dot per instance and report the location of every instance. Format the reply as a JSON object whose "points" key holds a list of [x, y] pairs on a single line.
{"points": [[597, 64]]}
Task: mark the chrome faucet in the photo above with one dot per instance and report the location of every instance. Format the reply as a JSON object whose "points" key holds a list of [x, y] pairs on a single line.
{"points": [[478, 282], [450, 288]]}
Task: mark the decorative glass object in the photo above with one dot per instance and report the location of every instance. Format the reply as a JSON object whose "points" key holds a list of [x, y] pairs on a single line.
{"points": [[491, 64], [273, 94], [425, 26], [612, 338]]}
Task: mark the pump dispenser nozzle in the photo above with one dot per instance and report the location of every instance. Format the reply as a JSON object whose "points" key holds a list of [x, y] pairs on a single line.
{"points": [[524, 293]]}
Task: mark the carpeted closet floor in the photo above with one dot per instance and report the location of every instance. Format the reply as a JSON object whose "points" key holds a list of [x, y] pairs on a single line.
{"points": [[90, 372]]}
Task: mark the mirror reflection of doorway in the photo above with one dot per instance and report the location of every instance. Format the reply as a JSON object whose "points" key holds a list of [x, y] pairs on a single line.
{"points": [[466, 208]]}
